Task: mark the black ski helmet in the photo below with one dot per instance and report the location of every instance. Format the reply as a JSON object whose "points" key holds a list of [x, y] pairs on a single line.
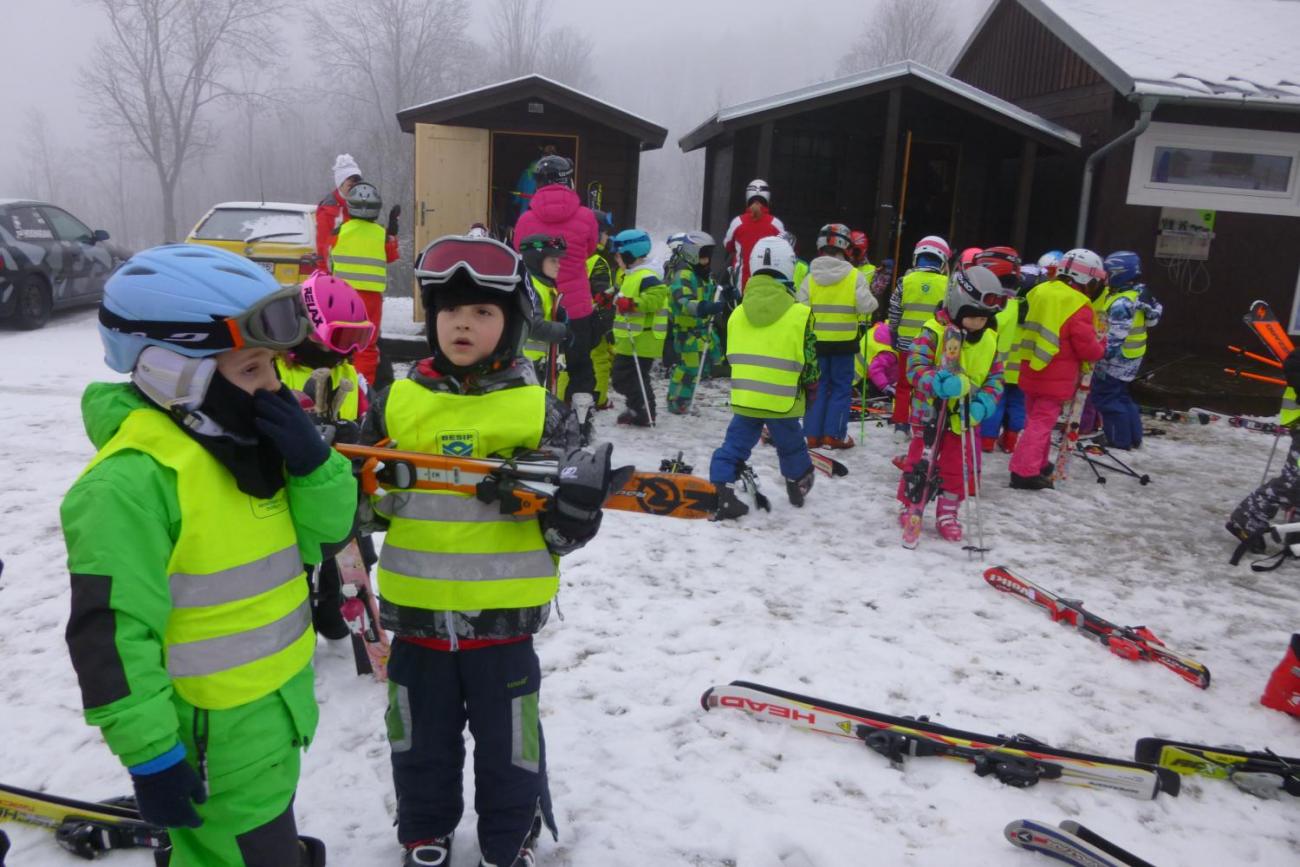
{"points": [[554, 169]]}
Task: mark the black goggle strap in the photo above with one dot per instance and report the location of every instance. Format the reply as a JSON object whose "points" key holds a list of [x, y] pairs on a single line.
{"points": [[194, 335]]}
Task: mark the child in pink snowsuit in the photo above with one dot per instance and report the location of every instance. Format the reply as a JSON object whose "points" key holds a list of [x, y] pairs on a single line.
{"points": [[972, 300], [883, 365]]}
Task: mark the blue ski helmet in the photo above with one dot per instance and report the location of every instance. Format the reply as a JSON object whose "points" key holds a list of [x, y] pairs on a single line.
{"points": [[633, 244], [177, 283], [1123, 268]]}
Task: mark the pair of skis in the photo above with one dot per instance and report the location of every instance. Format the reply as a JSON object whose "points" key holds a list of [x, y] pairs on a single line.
{"points": [[1128, 642], [1070, 842], [1195, 415], [1262, 773], [85, 829]]}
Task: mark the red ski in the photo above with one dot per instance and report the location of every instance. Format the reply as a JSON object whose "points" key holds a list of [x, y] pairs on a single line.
{"points": [[1130, 642]]}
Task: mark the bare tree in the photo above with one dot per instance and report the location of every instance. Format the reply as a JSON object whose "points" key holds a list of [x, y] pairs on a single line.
{"points": [[902, 30], [522, 42], [39, 151], [161, 67], [566, 57]]}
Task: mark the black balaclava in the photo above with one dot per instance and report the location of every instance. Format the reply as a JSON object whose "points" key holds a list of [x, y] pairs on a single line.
{"points": [[255, 462], [461, 290], [311, 354]]}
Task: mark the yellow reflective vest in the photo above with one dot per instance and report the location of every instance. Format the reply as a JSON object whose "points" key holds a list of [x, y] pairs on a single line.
{"points": [[1135, 344], [240, 623], [800, 272], [871, 347], [645, 329], [868, 272], [1008, 326], [1290, 408], [447, 551], [834, 308], [922, 293], [537, 350], [976, 361], [359, 255], [296, 375], [1050, 305], [766, 361]]}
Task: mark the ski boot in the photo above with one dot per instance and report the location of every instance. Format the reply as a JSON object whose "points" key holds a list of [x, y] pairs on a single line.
{"points": [[527, 856], [1007, 442], [311, 852], [729, 505], [429, 853], [797, 489], [1283, 689], [945, 517], [988, 444], [1031, 483], [814, 442], [634, 419], [1254, 542], [837, 443], [678, 406]]}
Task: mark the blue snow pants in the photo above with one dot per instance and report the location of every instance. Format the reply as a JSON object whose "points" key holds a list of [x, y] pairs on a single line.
{"points": [[744, 432], [828, 416], [1011, 409], [1121, 420]]}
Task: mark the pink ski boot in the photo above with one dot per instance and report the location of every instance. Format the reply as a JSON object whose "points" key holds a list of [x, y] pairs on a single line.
{"points": [[946, 517]]}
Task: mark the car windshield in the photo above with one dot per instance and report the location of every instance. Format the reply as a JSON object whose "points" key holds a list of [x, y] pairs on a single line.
{"points": [[244, 224]]}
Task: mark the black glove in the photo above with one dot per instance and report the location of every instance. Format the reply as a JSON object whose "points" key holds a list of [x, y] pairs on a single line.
{"points": [[708, 308], [1291, 369], [281, 420], [586, 481], [164, 797], [393, 213]]}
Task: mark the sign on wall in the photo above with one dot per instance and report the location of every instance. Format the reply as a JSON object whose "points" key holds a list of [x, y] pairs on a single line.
{"points": [[1185, 233]]}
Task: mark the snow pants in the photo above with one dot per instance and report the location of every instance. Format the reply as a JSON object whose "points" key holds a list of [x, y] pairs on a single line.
{"points": [[1010, 409], [367, 360], [1035, 443], [828, 415], [577, 358], [253, 755], [902, 392], [432, 694], [949, 464], [627, 377], [689, 345], [1120, 417], [744, 432], [1258, 510], [602, 356]]}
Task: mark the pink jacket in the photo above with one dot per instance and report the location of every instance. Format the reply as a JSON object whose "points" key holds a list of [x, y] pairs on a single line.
{"points": [[1079, 343], [556, 210]]}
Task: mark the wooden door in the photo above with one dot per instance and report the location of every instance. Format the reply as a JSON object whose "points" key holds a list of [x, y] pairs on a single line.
{"points": [[451, 184]]}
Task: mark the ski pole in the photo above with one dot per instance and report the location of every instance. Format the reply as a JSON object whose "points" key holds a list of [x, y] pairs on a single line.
{"points": [[1246, 374], [704, 354], [862, 416], [972, 444], [640, 380], [1254, 356]]}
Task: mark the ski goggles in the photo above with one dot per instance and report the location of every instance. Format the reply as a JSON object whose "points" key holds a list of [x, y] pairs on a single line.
{"points": [[484, 259], [552, 245], [346, 338], [276, 321]]}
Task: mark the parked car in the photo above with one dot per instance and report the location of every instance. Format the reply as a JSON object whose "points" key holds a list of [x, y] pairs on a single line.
{"points": [[49, 260], [279, 236]]}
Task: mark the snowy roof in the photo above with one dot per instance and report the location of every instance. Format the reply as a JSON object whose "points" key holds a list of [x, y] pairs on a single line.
{"points": [[848, 86], [447, 108], [267, 206], [1240, 52]]}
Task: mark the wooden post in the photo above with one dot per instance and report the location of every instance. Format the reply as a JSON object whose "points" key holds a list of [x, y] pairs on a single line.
{"points": [[885, 223], [902, 204], [720, 158], [1024, 192]]}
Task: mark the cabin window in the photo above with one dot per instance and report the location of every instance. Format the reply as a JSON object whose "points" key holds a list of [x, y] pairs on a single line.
{"points": [[1216, 168]]}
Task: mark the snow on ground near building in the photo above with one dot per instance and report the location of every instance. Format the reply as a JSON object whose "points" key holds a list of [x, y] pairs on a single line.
{"points": [[820, 600]]}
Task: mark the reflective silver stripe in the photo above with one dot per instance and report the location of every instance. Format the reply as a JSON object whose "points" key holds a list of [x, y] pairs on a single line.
{"points": [[1289, 402], [765, 361], [1136, 338], [835, 308], [363, 278], [1053, 340], [629, 326], [212, 655], [835, 326], [1033, 348], [765, 387], [534, 346], [661, 326], [359, 260], [443, 507], [239, 582], [497, 566]]}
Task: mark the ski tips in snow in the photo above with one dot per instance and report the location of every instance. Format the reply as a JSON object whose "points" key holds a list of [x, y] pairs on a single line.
{"points": [[1070, 842]]}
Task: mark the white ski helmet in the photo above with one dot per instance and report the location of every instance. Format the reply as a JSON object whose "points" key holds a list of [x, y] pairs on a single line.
{"points": [[675, 241], [758, 188], [774, 255], [932, 245], [693, 245], [1081, 267]]}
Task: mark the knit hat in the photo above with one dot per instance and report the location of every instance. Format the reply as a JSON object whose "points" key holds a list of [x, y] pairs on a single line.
{"points": [[344, 168]]}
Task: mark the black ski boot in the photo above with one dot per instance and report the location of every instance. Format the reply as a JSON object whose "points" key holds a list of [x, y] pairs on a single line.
{"points": [[635, 419], [313, 852], [1031, 483], [797, 489], [729, 505], [326, 599], [1253, 542], [429, 853], [527, 856]]}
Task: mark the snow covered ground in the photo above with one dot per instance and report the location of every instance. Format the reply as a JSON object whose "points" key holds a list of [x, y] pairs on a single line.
{"points": [[820, 600]]}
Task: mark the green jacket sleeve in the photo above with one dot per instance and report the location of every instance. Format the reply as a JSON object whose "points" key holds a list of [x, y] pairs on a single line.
{"points": [[120, 522], [323, 504]]}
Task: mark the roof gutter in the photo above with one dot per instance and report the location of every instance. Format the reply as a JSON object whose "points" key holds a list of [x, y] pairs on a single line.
{"points": [[1147, 105]]}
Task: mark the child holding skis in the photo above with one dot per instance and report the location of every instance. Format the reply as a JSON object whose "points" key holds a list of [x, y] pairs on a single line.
{"points": [[1004, 262], [464, 587], [339, 330], [693, 309], [640, 326], [940, 397], [773, 355], [190, 629]]}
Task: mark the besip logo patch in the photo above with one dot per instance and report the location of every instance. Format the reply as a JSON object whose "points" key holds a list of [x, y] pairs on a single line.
{"points": [[458, 444]]}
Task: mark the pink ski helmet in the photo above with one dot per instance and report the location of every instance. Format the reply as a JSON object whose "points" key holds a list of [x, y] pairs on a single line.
{"points": [[337, 315]]}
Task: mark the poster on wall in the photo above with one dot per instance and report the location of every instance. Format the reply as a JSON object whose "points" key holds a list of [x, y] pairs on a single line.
{"points": [[1185, 233]]}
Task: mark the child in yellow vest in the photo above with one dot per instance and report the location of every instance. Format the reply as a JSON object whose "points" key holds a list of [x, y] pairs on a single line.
{"points": [[640, 326], [463, 586], [542, 255], [360, 255]]}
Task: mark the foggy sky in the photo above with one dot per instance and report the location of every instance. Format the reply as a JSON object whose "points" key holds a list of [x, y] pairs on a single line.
{"points": [[672, 61]]}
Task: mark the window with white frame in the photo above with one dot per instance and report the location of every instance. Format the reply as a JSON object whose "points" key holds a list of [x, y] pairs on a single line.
{"points": [[1220, 168]]}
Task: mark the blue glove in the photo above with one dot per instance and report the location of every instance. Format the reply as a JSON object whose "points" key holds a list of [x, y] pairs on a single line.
{"points": [[280, 419], [708, 308], [949, 385], [982, 405], [164, 796]]}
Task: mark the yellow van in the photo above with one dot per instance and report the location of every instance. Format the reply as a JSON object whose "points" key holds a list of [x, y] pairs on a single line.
{"points": [[279, 236]]}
